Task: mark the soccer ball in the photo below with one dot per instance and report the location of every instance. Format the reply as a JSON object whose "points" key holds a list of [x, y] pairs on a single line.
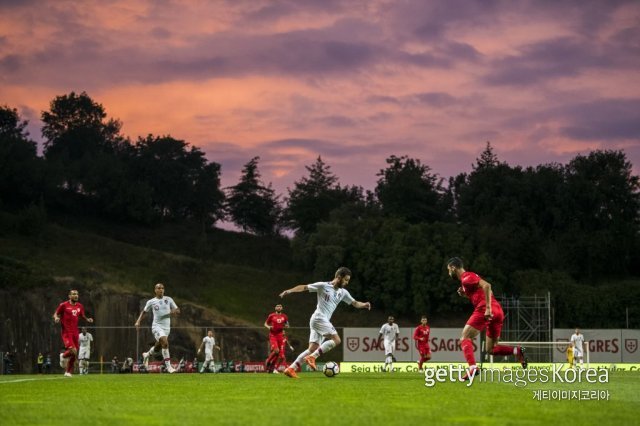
{"points": [[331, 369]]}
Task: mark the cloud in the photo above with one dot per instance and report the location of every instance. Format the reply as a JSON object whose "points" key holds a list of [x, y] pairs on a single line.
{"points": [[338, 121], [352, 81], [565, 57], [605, 119], [436, 99]]}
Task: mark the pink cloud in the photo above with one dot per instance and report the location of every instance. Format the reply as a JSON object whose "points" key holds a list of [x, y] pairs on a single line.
{"points": [[352, 82]]}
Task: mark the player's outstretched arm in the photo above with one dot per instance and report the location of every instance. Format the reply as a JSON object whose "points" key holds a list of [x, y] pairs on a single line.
{"points": [[297, 289], [361, 305]]}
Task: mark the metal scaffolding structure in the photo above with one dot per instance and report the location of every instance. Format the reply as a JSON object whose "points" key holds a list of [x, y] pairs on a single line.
{"points": [[528, 319]]}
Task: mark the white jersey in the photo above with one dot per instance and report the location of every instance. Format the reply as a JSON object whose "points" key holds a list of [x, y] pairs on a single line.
{"points": [[85, 341], [161, 311], [389, 332], [209, 343], [577, 340], [328, 298]]}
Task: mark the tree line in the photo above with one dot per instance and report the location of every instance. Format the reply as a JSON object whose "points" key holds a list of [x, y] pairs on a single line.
{"points": [[564, 228]]}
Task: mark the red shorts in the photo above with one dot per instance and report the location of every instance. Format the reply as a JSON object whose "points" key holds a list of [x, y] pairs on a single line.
{"points": [[493, 326], [70, 340], [276, 341], [424, 350]]}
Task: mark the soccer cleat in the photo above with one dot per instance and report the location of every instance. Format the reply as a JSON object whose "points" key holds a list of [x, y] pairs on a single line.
{"points": [[522, 358], [145, 359], [170, 369], [67, 374], [311, 362], [472, 373], [63, 361], [275, 372], [290, 372]]}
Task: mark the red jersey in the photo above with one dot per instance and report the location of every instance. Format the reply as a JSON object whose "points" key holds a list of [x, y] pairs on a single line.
{"points": [[421, 334], [277, 322], [69, 315], [471, 286]]}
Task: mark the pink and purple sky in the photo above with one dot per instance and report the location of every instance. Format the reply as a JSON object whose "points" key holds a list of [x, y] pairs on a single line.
{"points": [[353, 81]]}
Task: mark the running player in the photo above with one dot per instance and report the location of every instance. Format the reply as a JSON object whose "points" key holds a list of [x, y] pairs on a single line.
{"points": [[389, 331], [85, 340], [323, 336], [421, 336], [282, 359], [276, 322], [487, 313], [208, 343], [68, 314], [163, 307]]}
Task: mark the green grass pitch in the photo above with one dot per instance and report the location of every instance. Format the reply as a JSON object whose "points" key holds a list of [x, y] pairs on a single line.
{"points": [[261, 399]]}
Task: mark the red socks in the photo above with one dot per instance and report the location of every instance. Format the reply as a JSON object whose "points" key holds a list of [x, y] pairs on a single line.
{"points": [[70, 364], [467, 350], [278, 363], [502, 350]]}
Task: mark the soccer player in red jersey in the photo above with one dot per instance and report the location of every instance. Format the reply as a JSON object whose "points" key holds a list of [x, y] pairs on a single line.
{"points": [[282, 359], [276, 323], [68, 314], [421, 336], [487, 313]]}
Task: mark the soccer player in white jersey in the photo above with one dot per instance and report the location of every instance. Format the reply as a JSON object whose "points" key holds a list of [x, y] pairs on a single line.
{"points": [[163, 307], [389, 332], [330, 294], [84, 352], [208, 342], [577, 341]]}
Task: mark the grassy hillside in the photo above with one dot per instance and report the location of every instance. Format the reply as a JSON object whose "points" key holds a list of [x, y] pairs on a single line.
{"points": [[231, 272]]}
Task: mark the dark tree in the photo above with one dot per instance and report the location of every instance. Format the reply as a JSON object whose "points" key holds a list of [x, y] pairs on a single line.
{"points": [[81, 146], [602, 203], [313, 198], [407, 189], [251, 205], [21, 171], [183, 185], [77, 112], [11, 125]]}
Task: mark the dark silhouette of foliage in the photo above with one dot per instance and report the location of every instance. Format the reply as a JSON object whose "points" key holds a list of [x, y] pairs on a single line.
{"points": [[251, 205]]}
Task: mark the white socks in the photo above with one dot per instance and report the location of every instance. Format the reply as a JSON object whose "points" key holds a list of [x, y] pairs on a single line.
{"points": [[326, 346], [166, 356], [300, 358]]}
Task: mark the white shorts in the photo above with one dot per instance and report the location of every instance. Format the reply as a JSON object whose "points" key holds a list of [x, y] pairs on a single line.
{"points": [[84, 353], [577, 352], [208, 356], [159, 332], [320, 327], [389, 347]]}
